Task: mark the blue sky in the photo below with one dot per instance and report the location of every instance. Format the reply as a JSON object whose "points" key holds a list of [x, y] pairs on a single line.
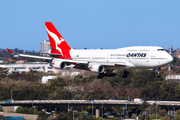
{"points": [[93, 24]]}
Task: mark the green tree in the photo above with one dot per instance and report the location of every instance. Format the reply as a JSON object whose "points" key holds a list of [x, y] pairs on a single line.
{"points": [[35, 112], [175, 60], [19, 110], [162, 112], [25, 110], [153, 116], [31, 110], [1, 110], [82, 116], [65, 116], [42, 115]]}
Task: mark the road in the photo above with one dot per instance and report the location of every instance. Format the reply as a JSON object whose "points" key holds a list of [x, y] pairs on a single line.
{"points": [[86, 103]]}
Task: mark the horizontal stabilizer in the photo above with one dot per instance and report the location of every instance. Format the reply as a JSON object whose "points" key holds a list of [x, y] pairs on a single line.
{"points": [[9, 51]]}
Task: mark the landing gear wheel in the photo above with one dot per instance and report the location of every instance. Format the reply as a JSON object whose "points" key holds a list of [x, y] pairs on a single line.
{"points": [[100, 76], [126, 73]]}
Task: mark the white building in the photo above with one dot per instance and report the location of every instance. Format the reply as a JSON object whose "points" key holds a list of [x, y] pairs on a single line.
{"points": [[173, 78], [70, 73], [1, 61], [74, 88], [45, 46], [47, 79], [36, 66]]}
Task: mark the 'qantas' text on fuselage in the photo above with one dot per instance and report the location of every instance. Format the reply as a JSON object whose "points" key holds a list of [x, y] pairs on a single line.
{"points": [[136, 55]]}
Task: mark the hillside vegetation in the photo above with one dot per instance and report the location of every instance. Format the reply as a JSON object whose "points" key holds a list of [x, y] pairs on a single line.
{"points": [[139, 83]]}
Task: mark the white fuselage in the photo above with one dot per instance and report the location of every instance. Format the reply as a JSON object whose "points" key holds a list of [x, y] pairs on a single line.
{"points": [[134, 57]]}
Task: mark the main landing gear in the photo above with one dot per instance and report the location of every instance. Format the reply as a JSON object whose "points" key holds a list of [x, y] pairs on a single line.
{"points": [[111, 74], [101, 75], [126, 73]]}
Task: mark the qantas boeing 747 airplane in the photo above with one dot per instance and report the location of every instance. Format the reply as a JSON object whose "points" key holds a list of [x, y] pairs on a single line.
{"points": [[101, 60]]}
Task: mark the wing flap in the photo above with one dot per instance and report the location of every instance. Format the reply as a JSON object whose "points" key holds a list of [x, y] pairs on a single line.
{"points": [[33, 56], [71, 61], [46, 53]]}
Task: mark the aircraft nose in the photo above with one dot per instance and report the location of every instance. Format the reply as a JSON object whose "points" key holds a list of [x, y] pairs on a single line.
{"points": [[170, 59]]}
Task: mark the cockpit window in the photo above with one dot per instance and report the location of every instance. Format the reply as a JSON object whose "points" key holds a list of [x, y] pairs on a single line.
{"points": [[160, 50]]}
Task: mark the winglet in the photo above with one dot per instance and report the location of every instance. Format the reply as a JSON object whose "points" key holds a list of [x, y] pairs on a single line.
{"points": [[9, 50]]}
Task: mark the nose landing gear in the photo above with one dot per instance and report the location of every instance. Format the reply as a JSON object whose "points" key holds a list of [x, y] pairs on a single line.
{"points": [[157, 72], [126, 73]]}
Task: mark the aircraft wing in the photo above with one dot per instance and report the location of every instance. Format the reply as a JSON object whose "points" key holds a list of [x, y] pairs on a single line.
{"points": [[32, 56], [26, 55]]}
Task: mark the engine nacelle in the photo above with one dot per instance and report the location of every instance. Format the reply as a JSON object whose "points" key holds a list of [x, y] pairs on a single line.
{"points": [[97, 68], [58, 64]]}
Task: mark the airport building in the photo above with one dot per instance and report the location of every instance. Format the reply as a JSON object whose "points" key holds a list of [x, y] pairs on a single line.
{"points": [[23, 68]]}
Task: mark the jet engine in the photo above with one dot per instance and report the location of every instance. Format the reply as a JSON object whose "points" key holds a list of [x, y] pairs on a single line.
{"points": [[97, 68], [58, 64]]}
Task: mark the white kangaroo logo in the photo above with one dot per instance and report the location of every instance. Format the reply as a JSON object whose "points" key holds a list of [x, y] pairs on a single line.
{"points": [[56, 39]]}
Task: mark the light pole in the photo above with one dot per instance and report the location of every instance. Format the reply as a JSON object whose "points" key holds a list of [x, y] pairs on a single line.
{"points": [[11, 94], [1, 97], [136, 112], [174, 112], [102, 111], [156, 109], [73, 114], [126, 110], [83, 99], [32, 103], [68, 107], [92, 107], [68, 99], [68, 96], [150, 109]]}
